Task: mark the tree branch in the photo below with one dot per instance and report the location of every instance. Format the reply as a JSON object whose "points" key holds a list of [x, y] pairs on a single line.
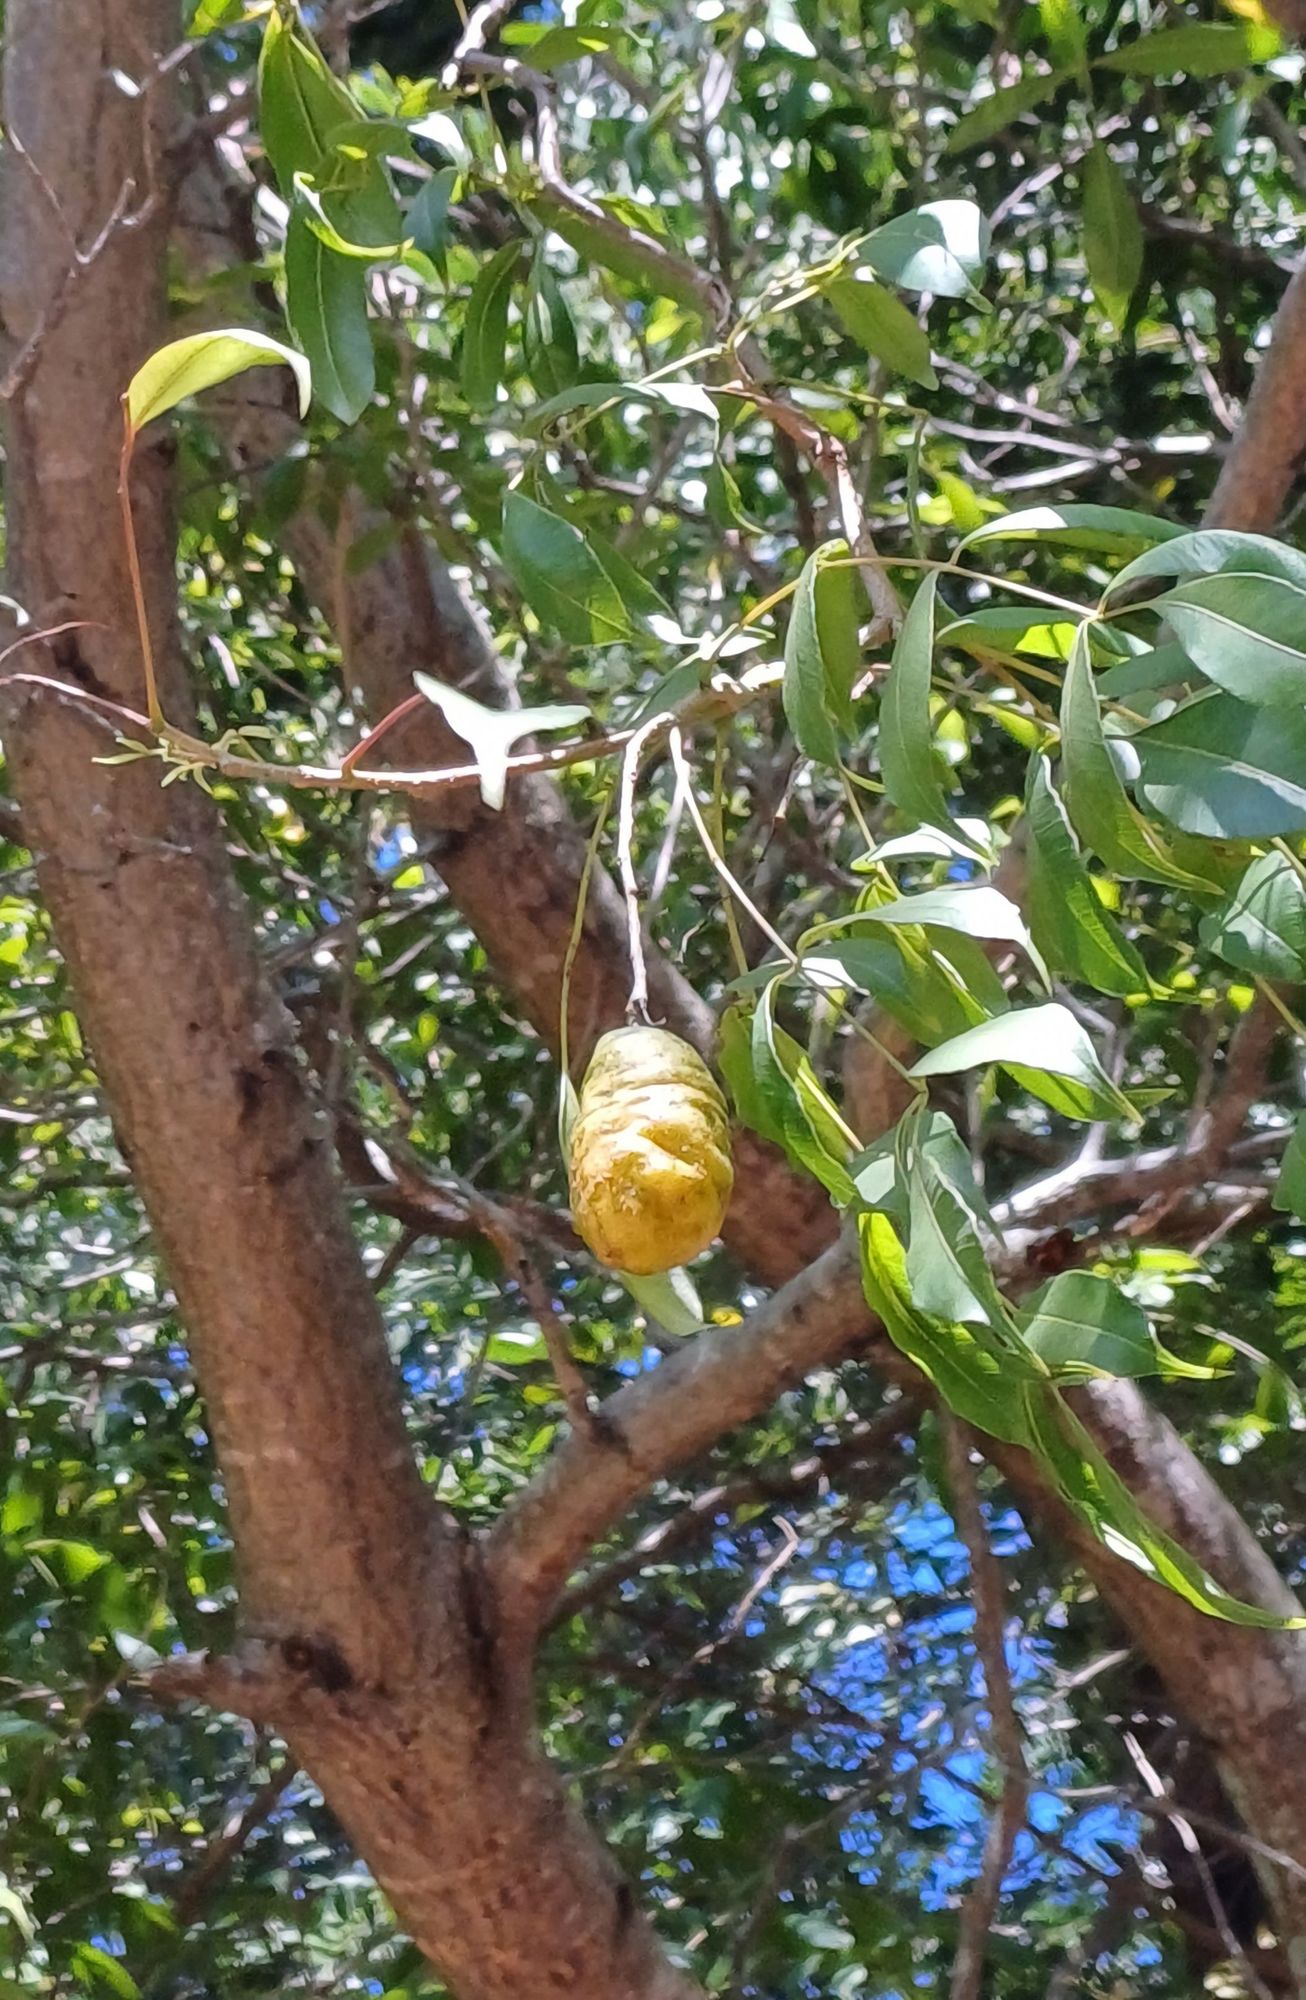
{"points": [[1264, 459]]}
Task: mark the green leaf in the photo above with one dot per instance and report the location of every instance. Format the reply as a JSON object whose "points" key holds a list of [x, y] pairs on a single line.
{"points": [[915, 985], [485, 330], [1046, 1050], [427, 221], [75, 1561], [778, 1093], [560, 576], [1113, 237], [1206, 550], [878, 1181], [977, 911], [548, 335], [1105, 530], [947, 1270], [492, 732], [549, 48], [1077, 935], [822, 655], [1198, 48], [975, 1377], [311, 205], [1082, 1324], [1063, 24], [1101, 1499], [1100, 812], [885, 328], [617, 250], [97, 1970], [941, 247], [300, 102], [1290, 1188], [1148, 675], [326, 304], [669, 1297], [1002, 107], [1220, 768], [684, 398], [1261, 927], [1245, 632], [906, 738], [202, 360]]}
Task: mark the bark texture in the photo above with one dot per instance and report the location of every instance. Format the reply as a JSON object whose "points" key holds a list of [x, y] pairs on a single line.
{"points": [[515, 877], [376, 1640], [371, 1639]]}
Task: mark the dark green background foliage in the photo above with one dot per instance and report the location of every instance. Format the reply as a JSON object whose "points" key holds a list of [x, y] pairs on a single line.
{"points": [[779, 1723]]}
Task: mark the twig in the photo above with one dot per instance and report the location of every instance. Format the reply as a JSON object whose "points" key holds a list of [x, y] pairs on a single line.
{"points": [[199, 1885], [637, 1005], [483, 23], [522, 1269], [190, 752], [981, 1905], [1193, 1848]]}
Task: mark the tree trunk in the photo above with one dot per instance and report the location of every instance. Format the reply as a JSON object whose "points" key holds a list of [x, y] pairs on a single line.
{"points": [[370, 1639]]}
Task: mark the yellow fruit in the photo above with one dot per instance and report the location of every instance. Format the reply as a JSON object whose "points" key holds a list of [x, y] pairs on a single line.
{"points": [[650, 1153]]}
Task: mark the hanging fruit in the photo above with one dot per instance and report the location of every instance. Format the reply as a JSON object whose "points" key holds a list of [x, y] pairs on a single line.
{"points": [[650, 1153]]}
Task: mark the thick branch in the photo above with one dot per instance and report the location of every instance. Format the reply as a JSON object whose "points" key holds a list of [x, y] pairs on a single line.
{"points": [[1265, 456]]}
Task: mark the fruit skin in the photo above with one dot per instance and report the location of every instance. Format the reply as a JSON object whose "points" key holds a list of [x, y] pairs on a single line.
{"points": [[650, 1153]]}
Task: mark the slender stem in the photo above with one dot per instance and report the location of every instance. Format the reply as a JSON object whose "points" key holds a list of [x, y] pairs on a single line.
{"points": [[719, 835], [372, 736], [153, 707], [637, 1005], [577, 931]]}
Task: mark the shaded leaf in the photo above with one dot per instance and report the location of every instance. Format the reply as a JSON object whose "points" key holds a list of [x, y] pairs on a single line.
{"points": [[822, 654], [1290, 1188], [1220, 768], [560, 576], [1113, 237], [1100, 812], [683, 398], [1081, 1324], [1261, 926], [427, 221], [1198, 48], [1245, 632], [885, 328], [607, 240], [326, 304], [1077, 935], [548, 335], [906, 738], [485, 330], [978, 911], [1002, 107]]}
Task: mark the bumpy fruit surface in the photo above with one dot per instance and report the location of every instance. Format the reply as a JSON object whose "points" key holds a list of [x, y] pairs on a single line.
{"points": [[650, 1153]]}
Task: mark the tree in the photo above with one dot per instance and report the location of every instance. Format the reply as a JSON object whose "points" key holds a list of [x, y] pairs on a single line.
{"points": [[662, 368]]}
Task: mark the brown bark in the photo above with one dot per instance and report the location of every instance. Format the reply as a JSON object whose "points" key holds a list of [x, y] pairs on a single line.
{"points": [[515, 876], [370, 1638], [1265, 456]]}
